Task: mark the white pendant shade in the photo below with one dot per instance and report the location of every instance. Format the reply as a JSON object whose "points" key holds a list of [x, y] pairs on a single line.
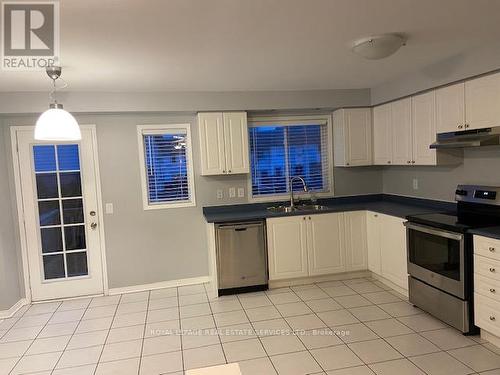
{"points": [[56, 124]]}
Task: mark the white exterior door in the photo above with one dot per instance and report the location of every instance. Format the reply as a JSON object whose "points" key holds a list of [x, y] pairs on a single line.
{"points": [[60, 205], [325, 241], [382, 135]]}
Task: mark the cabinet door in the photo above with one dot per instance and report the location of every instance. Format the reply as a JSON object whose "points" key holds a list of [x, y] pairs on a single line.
{"points": [[325, 243], [373, 241], [358, 137], [287, 247], [424, 128], [393, 259], [382, 135], [450, 108], [339, 139], [211, 128], [236, 142], [401, 132], [355, 240], [482, 98]]}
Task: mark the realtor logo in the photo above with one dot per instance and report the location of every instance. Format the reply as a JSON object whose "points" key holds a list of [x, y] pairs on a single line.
{"points": [[30, 35]]}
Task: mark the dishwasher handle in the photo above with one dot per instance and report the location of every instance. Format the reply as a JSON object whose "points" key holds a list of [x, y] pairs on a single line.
{"points": [[240, 227]]}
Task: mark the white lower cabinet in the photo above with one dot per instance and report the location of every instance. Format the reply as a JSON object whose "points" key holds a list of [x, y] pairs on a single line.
{"points": [[356, 241], [316, 245], [386, 237], [325, 244], [287, 247], [487, 287]]}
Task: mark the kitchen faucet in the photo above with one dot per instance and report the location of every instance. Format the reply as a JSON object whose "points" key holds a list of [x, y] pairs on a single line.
{"points": [[292, 179]]}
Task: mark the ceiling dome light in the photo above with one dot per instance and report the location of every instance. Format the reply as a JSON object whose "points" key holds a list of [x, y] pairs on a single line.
{"points": [[56, 124], [378, 46]]}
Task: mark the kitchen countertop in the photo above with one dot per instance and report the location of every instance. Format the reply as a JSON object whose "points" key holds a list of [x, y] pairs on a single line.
{"points": [[394, 205], [492, 232]]}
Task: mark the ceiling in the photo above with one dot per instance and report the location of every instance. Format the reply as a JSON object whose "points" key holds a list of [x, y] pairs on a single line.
{"points": [[220, 45]]}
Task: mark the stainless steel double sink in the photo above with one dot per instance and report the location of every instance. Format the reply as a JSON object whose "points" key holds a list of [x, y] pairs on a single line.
{"points": [[303, 207]]}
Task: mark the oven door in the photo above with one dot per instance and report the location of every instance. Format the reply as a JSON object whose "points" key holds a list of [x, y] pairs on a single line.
{"points": [[436, 257]]}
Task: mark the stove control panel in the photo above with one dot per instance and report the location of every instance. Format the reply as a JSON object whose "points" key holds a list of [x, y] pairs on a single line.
{"points": [[478, 194]]}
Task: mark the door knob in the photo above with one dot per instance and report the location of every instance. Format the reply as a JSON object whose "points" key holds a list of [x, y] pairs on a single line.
{"points": [[93, 226]]}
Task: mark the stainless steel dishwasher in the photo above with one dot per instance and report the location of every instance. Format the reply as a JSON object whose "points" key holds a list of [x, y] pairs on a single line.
{"points": [[241, 257]]}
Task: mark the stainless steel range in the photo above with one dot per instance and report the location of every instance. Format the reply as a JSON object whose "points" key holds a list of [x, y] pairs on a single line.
{"points": [[440, 255]]}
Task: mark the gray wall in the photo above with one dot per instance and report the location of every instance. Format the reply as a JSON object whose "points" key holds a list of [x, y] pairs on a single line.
{"points": [[160, 245], [454, 68], [10, 286], [480, 166]]}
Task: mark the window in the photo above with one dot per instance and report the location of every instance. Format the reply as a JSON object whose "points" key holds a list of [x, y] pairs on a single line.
{"points": [[282, 149], [166, 166]]}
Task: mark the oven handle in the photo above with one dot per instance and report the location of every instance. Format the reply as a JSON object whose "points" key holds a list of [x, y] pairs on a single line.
{"points": [[434, 231]]}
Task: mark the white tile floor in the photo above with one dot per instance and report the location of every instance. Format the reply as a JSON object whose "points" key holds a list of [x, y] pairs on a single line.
{"points": [[353, 327]]}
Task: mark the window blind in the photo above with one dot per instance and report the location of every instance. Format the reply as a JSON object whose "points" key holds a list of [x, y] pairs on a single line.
{"points": [[281, 151], [166, 167]]}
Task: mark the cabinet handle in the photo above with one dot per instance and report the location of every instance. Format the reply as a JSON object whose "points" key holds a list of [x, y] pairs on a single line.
{"points": [[346, 163], [388, 162], [492, 269], [466, 126], [224, 171], [492, 318], [492, 290], [460, 126], [409, 162], [304, 218], [309, 217], [492, 249], [229, 171]]}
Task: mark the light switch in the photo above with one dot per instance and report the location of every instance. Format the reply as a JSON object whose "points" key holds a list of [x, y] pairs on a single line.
{"points": [[232, 192], [109, 208], [241, 192], [220, 194]]}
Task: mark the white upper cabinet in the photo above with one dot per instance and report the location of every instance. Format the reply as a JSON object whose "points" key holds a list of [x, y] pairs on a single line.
{"points": [[424, 128], [211, 128], [450, 108], [482, 102], [352, 129], [401, 132], [382, 135], [236, 142], [223, 143]]}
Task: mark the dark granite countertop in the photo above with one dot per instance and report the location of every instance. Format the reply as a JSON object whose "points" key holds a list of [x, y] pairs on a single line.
{"points": [[394, 205], [492, 232]]}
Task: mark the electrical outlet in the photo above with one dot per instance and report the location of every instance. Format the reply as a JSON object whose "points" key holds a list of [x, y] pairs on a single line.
{"points": [[220, 193], [232, 192], [241, 192], [109, 208], [415, 184]]}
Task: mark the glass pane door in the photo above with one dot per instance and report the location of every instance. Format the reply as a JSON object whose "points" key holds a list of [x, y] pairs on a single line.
{"points": [[61, 216]]}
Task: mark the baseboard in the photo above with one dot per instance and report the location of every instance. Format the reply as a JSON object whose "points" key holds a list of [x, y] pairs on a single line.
{"points": [[4, 314], [317, 279], [390, 284], [159, 285], [490, 337]]}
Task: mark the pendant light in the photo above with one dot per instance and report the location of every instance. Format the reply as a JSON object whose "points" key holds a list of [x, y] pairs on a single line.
{"points": [[56, 124]]}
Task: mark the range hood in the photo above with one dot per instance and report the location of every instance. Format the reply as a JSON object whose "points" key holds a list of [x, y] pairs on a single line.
{"points": [[468, 138]]}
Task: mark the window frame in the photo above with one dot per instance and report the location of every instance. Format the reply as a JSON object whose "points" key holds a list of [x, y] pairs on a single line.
{"points": [[160, 130], [295, 120]]}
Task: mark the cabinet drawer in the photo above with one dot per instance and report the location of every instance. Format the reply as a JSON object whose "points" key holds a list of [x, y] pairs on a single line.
{"points": [[487, 287], [487, 267], [488, 247], [487, 314]]}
